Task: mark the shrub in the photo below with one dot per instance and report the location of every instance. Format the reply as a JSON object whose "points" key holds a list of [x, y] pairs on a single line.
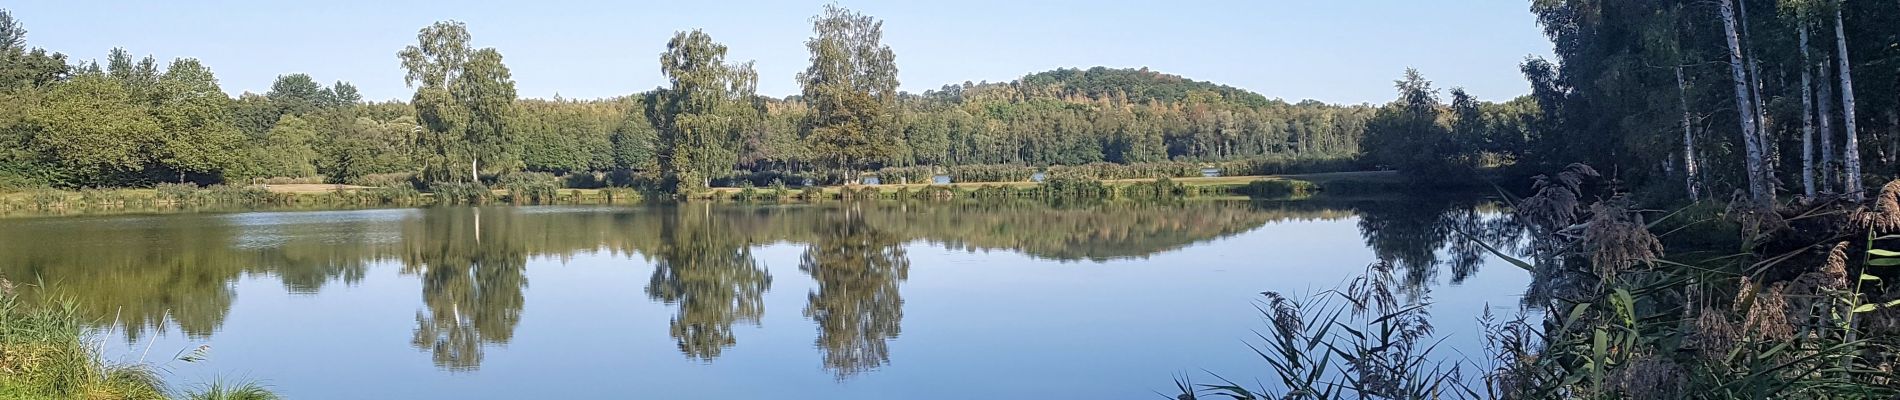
{"points": [[919, 174], [584, 180], [812, 193], [45, 199], [448, 193], [1072, 188], [1159, 189], [531, 187], [177, 192], [245, 195]]}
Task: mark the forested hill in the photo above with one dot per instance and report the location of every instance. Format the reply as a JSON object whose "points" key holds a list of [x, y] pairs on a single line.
{"points": [[1137, 85], [1075, 116]]}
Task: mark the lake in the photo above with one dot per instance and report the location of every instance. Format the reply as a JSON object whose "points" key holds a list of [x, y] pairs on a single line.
{"points": [[944, 300]]}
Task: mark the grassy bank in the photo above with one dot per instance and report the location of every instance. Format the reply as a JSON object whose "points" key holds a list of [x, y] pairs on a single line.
{"points": [[47, 352]]}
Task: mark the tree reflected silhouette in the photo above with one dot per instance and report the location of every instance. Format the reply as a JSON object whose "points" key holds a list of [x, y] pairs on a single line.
{"points": [[857, 304], [472, 282], [143, 274], [711, 277]]}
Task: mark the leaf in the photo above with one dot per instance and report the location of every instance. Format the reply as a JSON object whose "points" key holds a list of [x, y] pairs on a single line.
{"points": [[1866, 277], [1864, 308], [1883, 262], [1883, 253]]}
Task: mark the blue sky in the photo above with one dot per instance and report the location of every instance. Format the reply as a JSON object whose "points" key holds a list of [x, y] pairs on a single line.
{"points": [[1342, 51]]}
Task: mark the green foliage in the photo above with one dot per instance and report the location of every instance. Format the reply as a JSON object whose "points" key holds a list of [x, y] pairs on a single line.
{"points": [[449, 193], [531, 187], [286, 150], [89, 132], [699, 119], [1071, 188], [851, 86], [221, 390], [1410, 134], [991, 173], [49, 354], [463, 99], [1158, 189], [1279, 188]]}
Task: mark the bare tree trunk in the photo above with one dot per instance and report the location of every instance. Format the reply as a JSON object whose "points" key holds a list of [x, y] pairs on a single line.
{"points": [[1771, 153], [474, 170], [1688, 139], [1807, 117], [1852, 151], [1830, 170], [1744, 106]]}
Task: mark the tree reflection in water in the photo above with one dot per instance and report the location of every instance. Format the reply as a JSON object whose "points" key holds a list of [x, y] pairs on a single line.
{"points": [[710, 276], [472, 282], [857, 306], [141, 274]]}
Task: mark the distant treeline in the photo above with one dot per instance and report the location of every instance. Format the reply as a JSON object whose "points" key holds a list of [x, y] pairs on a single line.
{"points": [[132, 122]]}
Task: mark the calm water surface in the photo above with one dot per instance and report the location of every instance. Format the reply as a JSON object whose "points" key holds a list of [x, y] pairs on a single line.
{"points": [[830, 301]]}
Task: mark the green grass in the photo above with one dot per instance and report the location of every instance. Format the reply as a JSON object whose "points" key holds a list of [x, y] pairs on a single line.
{"points": [[45, 354], [219, 390], [48, 353]]}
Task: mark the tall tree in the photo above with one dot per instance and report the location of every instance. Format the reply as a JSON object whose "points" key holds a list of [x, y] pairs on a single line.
{"points": [[1690, 165], [462, 96], [486, 90], [699, 118], [92, 130], [1758, 190], [1830, 169], [1851, 154], [20, 66], [851, 86], [1807, 114], [298, 94], [197, 135]]}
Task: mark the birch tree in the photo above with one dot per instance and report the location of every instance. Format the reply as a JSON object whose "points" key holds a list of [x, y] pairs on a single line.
{"points": [[1758, 191]]}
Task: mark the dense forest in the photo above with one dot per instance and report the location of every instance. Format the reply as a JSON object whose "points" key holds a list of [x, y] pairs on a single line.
{"points": [[1700, 99], [131, 122]]}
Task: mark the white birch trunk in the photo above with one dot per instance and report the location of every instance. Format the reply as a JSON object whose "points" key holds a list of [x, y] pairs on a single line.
{"points": [[1688, 140], [1851, 154], [1830, 169], [1745, 107], [1807, 118]]}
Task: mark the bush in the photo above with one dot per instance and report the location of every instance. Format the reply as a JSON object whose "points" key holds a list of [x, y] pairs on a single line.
{"points": [[584, 180], [448, 193], [1159, 189], [177, 192], [904, 175], [1072, 188], [531, 187], [812, 193], [245, 195]]}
